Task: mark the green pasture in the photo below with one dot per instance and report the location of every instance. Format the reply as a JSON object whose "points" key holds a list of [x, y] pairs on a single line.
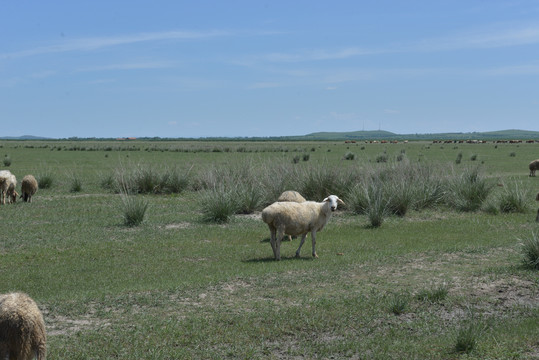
{"points": [[177, 287]]}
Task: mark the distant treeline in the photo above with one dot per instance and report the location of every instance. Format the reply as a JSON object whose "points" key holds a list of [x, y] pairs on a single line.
{"points": [[327, 136]]}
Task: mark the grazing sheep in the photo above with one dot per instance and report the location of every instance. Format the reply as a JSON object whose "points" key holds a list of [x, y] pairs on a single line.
{"points": [[294, 196], [8, 181], [22, 329], [298, 219], [534, 165], [28, 187]]}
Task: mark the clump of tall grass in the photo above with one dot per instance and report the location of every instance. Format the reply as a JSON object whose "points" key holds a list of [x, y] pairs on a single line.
{"points": [[400, 196], [275, 178], [368, 199], [468, 334], [249, 197], [426, 182], [218, 204], [108, 182], [394, 189], [45, 180], [433, 295], [317, 182], [382, 158], [398, 303], [133, 209], [468, 191], [513, 199], [530, 251], [349, 156], [76, 184], [458, 160], [7, 160], [145, 179]]}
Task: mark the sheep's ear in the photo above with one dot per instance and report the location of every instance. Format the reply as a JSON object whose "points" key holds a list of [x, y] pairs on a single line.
{"points": [[325, 200], [340, 202]]}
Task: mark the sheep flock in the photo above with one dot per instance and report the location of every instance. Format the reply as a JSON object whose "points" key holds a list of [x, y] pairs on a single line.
{"points": [[8, 184]]}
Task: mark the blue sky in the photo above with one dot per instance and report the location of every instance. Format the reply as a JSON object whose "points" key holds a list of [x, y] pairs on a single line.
{"points": [[266, 68]]}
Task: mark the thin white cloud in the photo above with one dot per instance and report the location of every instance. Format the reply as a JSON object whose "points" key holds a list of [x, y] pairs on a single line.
{"points": [[95, 43], [524, 69], [131, 66], [479, 39], [265, 85], [472, 39]]}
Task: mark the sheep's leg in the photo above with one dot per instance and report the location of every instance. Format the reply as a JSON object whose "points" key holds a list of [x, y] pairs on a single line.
{"points": [[301, 244], [272, 241], [280, 234], [313, 238]]}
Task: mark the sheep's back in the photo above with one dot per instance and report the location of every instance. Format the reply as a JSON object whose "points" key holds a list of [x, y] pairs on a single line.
{"points": [[291, 195], [294, 218]]}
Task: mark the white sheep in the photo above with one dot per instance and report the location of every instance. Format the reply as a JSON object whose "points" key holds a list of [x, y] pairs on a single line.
{"points": [[22, 329], [28, 187], [298, 219], [294, 196], [534, 165], [8, 182]]}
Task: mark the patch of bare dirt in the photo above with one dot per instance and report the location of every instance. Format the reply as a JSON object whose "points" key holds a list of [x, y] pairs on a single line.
{"points": [[62, 325], [182, 225]]}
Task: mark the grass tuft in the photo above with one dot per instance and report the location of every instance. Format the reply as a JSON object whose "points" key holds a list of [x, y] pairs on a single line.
{"points": [[469, 190], [45, 180], [218, 205], [467, 336], [134, 209], [434, 295], [398, 304], [513, 199], [530, 251]]}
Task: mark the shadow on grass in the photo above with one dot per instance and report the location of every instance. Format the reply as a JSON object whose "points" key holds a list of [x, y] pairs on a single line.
{"points": [[272, 259]]}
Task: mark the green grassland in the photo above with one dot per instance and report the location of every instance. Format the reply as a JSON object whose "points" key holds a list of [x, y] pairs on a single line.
{"points": [[178, 287]]}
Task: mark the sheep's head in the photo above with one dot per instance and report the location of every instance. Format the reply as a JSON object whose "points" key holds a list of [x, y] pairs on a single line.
{"points": [[13, 196], [333, 200]]}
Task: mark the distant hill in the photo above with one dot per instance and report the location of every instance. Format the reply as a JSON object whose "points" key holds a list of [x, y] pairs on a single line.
{"points": [[512, 134], [386, 135]]}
